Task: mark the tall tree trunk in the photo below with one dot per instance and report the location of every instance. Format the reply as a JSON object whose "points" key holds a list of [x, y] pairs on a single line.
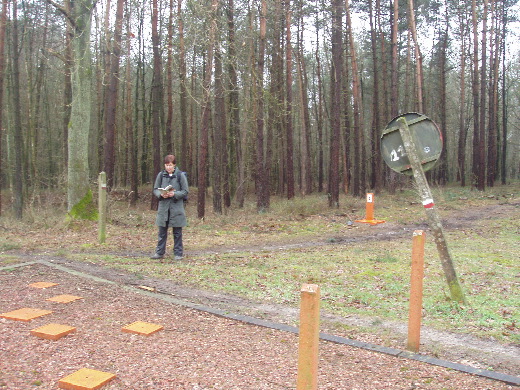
{"points": [[206, 110], [335, 90], [481, 177], [475, 96], [394, 95], [183, 94], [111, 97], [3, 23], [34, 149], [131, 132], [306, 162], [319, 115], [79, 195], [418, 58], [503, 174], [17, 116], [262, 190], [443, 163], [276, 106], [170, 145], [219, 146], [289, 102], [67, 90], [394, 100], [359, 171], [156, 101], [463, 131], [375, 182], [493, 98], [234, 110]]}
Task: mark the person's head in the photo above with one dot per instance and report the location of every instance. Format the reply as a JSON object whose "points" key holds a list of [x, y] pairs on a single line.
{"points": [[169, 163]]}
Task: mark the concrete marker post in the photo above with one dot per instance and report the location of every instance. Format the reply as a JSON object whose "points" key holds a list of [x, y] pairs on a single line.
{"points": [[416, 292], [102, 204], [309, 338]]}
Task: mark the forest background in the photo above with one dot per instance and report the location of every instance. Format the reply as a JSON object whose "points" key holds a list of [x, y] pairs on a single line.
{"points": [[264, 96]]}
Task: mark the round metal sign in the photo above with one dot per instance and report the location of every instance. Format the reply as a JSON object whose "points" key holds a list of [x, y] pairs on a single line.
{"points": [[427, 138]]}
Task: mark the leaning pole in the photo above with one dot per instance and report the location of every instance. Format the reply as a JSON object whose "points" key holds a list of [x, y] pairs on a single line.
{"points": [[401, 151], [431, 212]]}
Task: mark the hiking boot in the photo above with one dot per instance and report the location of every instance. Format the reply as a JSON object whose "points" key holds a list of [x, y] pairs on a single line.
{"points": [[156, 256], [178, 258]]}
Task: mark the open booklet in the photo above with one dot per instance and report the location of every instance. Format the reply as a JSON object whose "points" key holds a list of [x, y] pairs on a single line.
{"points": [[166, 189]]}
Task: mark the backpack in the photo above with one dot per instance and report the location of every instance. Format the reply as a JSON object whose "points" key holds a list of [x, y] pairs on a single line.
{"points": [[185, 174]]}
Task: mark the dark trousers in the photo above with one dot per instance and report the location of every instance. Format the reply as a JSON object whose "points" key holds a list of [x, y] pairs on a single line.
{"points": [[178, 248]]}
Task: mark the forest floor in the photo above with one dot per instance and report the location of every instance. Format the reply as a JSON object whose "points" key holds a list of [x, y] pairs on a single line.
{"points": [[208, 351]]}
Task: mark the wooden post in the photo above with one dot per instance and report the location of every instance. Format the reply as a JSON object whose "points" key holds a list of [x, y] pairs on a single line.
{"points": [[416, 291], [431, 212], [102, 204], [309, 338]]}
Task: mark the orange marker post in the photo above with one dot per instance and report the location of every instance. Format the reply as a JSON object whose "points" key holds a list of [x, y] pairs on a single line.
{"points": [[370, 212], [309, 338], [416, 291]]}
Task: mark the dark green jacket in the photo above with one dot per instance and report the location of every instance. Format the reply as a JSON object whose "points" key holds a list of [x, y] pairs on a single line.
{"points": [[171, 209]]}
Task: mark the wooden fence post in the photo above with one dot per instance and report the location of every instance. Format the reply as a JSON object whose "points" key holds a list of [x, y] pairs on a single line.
{"points": [[309, 338], [102, 204], [416, 291]]}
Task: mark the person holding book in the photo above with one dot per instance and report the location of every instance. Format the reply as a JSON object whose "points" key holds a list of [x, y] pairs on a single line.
{"points": [[171, 188]]}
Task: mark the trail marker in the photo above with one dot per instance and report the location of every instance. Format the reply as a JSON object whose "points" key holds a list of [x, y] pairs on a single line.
{"points": [[369, 218]]}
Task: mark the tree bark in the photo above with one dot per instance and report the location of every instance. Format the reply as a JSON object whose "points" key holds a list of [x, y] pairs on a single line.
{"points": [[463, 131], [169, 135], [375, 182], [262, 189], [3, 23], [79, 194], [111, 97], [157, 98], [18, 172], [358, 186], [234, 109], [206, 111], [481, 176], [418, 59], [289, 102], [475, 96], [219, 145], [335, 90], [185, 158], [131, 134]]}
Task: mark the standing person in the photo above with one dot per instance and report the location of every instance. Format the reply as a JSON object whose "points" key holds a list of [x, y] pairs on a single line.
{"points": [[171, 211]]}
